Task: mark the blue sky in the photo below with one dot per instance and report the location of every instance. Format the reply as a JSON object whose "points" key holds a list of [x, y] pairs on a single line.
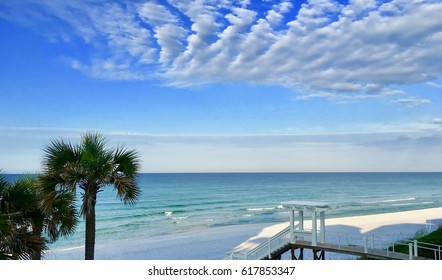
{"points": [[223, 85]]}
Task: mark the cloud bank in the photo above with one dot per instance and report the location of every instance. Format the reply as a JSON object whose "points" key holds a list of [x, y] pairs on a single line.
{"points": [[322, 47], [418, 150]]}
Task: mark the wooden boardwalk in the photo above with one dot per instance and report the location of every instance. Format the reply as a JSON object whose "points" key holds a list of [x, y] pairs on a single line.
{"points": [[341, 249]]}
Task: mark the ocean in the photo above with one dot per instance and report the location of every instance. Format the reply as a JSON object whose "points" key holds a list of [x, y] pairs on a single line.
{"points": [[179, 203]]}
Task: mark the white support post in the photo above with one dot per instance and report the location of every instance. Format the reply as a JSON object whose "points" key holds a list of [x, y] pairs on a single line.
{"points": [[410, 251], [365, 245], [292, 226], [372, 241], [301, 220], [314, 229], [415, 248], [322, 225], [269, 248]]}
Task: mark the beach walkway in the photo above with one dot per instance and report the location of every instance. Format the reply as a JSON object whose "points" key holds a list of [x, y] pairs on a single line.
{"points": [[280, 244], [295, 238], [320, 249]]}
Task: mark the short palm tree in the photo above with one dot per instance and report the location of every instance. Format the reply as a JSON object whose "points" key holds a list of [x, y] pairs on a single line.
{"points": [[5, 226], [17, 237], [89, 166], [61, 221], [27, 229]]}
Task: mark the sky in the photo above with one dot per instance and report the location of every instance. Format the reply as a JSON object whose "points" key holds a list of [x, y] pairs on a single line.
{"points": [[224, 85]]}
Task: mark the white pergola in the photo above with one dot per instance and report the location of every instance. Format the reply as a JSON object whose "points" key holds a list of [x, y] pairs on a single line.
{"points": [[307, 206]]}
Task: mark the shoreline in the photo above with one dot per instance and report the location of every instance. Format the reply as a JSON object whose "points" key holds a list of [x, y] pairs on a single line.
{"points": [[215, 243]]}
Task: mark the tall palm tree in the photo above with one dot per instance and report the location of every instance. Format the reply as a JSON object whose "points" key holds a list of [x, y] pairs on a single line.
{"points": [[27, 228], [89, 166]]}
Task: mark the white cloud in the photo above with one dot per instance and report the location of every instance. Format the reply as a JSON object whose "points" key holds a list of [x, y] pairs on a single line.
{"points": [[436, 121], [340, 98], [316, 13], [167, 31], [274, 17], [434, 85], [362, 47], [241, 17], [108, 69], [413, 102], [170, 38], [345, 55], [156, 14]]}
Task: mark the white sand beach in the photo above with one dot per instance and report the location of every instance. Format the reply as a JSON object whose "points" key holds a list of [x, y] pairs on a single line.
{"points": [[214, 243]]}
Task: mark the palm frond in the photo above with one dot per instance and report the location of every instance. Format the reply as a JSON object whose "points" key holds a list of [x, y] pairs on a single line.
{"points": [[58, 154], [5, 231], [63, 218], [93, 148], [18, 197], [24, 245], [3, 183], [126, 161], [96, 159], [47, 187], [124, 177], [58, 203], [127, 189], [19, 242], [93, 141], [4, 227]]}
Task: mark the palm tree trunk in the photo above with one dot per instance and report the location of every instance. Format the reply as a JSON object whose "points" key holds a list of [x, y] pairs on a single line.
{"points": [[37, 231], [37, 255], [90, 232], [38, 249]]}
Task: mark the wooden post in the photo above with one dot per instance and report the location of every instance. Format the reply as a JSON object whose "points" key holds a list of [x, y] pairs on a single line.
{"points": [[321, 255], [410, 251], [301, 253]]}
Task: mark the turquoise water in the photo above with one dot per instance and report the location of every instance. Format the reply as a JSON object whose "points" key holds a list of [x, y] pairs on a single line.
{"points": [[176, 203]]}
